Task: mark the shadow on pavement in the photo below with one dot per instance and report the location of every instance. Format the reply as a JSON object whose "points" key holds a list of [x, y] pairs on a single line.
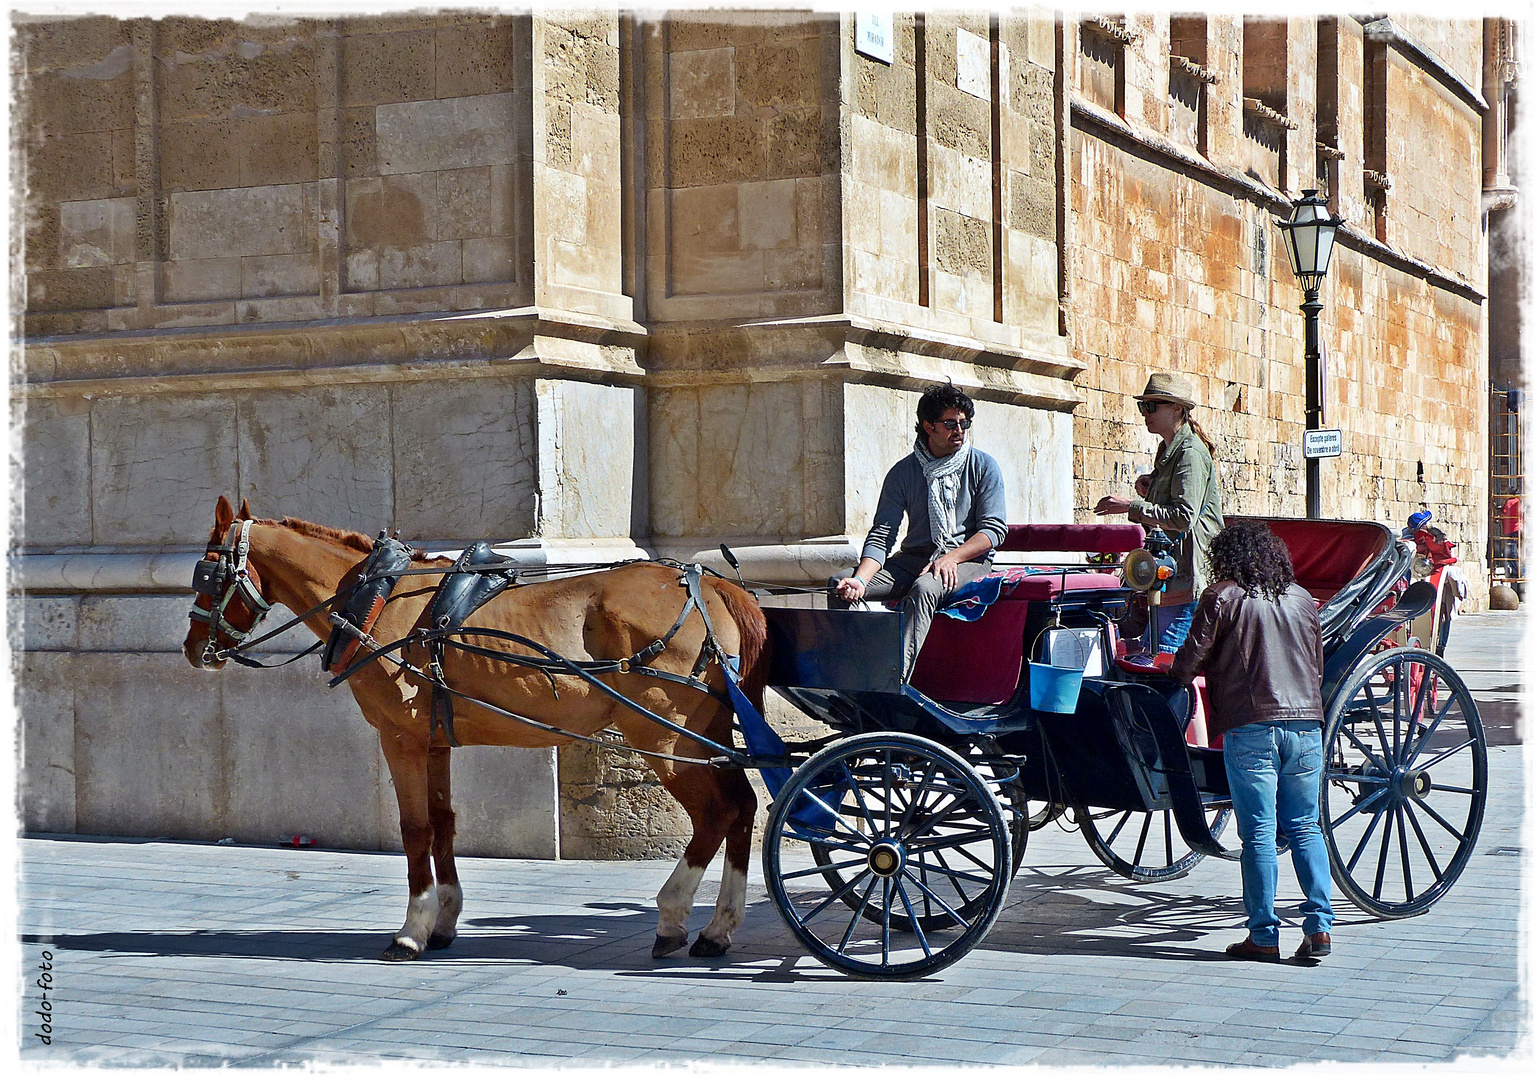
{"points": [[1051, 911]]}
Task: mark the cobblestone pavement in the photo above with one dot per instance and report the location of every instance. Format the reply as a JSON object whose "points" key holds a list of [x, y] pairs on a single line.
{"points": [[197, 954]]}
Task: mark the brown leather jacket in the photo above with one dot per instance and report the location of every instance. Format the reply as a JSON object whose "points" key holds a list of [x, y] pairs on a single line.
{"points": [[1263, 658]]}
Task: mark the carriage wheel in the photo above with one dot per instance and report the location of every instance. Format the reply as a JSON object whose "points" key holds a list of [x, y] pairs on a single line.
{"points": [[1403, 791], [911, 838], [1144, 845], [1021, 813]]}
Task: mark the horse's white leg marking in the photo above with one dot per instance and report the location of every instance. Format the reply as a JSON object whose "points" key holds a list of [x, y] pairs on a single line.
{"points": [[731, 902], [451, 901], [676, 899], [421, 914]]}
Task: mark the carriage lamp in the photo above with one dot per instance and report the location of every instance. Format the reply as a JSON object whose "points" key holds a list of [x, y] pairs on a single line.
{"points": [[1309, 235]]}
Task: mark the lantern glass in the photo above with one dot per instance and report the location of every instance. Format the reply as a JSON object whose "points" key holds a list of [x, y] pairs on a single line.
{"points": [[1310, 234]]}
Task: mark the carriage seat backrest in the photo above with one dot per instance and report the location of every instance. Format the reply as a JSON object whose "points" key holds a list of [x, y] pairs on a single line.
{"points": [[980, 662], [1089, 538], [1328, 554]]}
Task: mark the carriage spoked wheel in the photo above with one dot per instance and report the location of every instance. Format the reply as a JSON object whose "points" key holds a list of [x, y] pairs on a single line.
{"points": [[888, 856], [1144, 845], [1021, 816], [1403, 791]]}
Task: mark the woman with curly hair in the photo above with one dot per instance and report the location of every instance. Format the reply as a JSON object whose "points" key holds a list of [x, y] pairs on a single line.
{"points": [[1257, 636]]}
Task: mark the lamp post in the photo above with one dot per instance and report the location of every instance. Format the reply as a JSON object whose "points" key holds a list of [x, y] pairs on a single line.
{"points": [[1309, 234]]}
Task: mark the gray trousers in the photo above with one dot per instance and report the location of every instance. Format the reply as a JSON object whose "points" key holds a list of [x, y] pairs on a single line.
{"points": [[922, 596]]}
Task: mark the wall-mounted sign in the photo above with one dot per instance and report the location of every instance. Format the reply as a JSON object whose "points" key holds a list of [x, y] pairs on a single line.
{"points": [[873, 36], [1323, 442]]}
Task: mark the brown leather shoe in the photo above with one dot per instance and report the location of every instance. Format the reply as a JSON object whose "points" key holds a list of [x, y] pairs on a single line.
{"points": [[1249, 950], [1313, 947]]}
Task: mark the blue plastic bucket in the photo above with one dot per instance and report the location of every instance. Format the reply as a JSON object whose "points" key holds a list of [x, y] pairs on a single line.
{"points": [[1055, 689]]}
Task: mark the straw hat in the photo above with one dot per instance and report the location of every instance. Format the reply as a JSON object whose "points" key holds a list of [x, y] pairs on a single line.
{"points": [[1168, 386]]}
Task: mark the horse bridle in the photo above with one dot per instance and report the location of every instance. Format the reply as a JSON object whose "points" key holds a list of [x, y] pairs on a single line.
{"points": [[222, 579]]}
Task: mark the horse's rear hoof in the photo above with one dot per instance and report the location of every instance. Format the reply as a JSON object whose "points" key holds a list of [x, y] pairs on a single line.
{"points": [[665, 946], [440, 941], [704, 946], [397, 951]]}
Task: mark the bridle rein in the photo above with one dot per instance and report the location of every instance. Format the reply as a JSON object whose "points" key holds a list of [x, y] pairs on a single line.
{"points": [[222, 579]]}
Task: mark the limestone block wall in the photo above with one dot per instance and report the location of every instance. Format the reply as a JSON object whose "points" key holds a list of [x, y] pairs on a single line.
{"points": [[1435, 147], [741, 164], [577, 163], [1177, 266], [80, 231], [950, 196]]}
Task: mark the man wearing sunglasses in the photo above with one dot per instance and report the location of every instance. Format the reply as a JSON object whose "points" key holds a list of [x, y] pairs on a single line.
{"points": [[954, 497]]}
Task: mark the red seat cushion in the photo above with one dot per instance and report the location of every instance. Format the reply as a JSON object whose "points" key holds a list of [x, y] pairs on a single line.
{"points": [[1047, 586], [980, 662], [977, 662]]}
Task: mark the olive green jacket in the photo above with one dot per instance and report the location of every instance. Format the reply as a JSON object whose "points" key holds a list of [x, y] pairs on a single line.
{"points": [[1183, 500]]}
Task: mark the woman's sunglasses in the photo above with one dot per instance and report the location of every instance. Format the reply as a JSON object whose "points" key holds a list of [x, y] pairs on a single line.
{"points": [[1149, 408]]}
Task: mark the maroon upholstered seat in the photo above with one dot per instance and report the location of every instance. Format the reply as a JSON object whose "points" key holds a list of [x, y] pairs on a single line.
{"points": [[980, 662]]}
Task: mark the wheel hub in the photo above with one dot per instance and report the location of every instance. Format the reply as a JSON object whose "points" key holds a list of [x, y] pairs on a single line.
{"points": [[1413, 783], [886, 859]]}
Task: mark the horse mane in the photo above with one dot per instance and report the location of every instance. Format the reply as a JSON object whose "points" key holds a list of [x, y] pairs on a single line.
{"points": [[753, 634], [344, 537]]}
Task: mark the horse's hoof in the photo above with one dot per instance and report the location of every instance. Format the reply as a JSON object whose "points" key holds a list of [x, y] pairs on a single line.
{"points": [[397, 951], [665, 946], [704, 946], [439, 941]]}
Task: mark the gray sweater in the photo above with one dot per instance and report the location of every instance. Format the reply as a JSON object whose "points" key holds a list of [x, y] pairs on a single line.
{"points": [[980, 506]]}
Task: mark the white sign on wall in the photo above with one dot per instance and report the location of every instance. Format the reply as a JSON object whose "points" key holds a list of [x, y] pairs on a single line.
{"points": [[1322, 442], [873, 36]]}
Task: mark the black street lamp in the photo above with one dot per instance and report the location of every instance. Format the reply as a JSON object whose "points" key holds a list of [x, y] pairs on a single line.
{"points": [[1309, 234]]}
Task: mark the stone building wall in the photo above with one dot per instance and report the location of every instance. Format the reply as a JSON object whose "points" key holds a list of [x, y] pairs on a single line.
{"points": [[588, 285], [1178, 266]]}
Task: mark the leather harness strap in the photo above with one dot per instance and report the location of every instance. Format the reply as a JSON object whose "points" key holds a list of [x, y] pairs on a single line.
{"points": [[230, 570]]}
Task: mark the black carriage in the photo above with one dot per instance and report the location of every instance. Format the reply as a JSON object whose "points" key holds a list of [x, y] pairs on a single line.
{"points": [[889, 850]]}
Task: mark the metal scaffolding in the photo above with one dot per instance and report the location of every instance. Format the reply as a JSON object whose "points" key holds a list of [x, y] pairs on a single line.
{"points": [[1507, 496]]}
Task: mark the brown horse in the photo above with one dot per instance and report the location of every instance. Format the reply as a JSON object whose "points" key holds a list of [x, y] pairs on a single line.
{"points": [[604, 615]]}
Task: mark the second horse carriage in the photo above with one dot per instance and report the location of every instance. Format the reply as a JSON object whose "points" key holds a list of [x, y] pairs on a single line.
{"points": [[893, 839]]}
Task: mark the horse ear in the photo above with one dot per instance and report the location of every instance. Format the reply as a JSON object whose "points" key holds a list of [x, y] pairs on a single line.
{"points": [[245, 510], [224, 514]]}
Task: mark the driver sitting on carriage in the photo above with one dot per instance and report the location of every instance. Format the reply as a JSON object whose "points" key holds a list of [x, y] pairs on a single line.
{"points": [[954, 497]]}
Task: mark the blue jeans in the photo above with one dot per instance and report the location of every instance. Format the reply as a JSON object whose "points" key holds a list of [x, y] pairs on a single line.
{"points": [[1172, 622], [1274, 779]]}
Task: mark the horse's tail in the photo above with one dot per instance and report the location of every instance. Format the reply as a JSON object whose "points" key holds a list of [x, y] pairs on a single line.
{"points": [[753, 638]]}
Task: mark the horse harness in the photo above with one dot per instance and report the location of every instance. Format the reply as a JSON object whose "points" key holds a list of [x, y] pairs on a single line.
{"points": [[476, 576], [222, 580]]}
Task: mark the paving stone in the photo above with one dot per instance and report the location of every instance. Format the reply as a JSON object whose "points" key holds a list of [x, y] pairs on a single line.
{"points": [[198, 980]]}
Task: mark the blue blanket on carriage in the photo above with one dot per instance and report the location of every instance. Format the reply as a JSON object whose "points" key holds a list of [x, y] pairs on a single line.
{"points": [[970, 601]]}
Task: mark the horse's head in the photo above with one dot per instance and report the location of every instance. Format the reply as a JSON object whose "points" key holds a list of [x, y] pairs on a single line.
{"points": [[229, 601]]}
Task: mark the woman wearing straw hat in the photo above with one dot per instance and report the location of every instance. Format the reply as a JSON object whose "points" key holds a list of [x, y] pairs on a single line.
{"points": [[1180, 496]]}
